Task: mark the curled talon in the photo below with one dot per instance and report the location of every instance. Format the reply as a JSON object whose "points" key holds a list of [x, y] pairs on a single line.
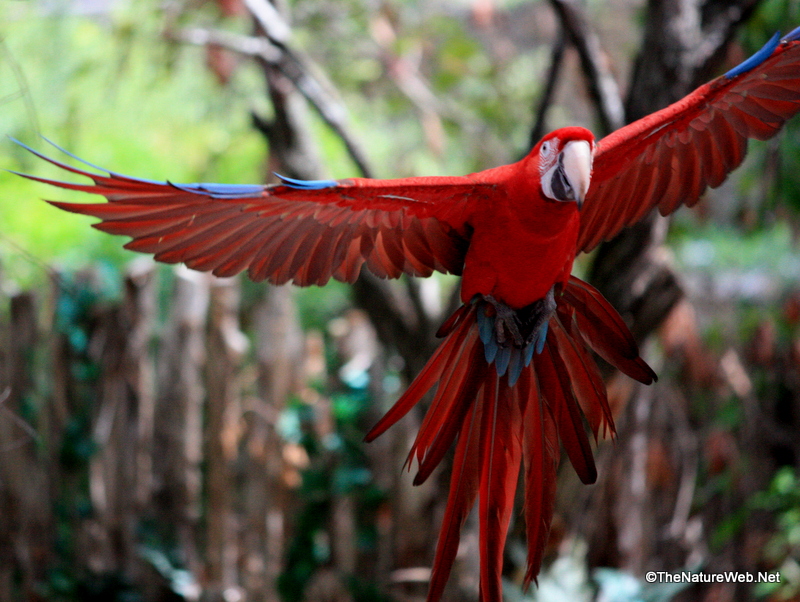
{"points": [[523, 326]]}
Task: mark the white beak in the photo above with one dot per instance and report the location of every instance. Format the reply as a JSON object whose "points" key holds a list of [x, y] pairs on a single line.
{"points": [[577, 164], [568, 178]]}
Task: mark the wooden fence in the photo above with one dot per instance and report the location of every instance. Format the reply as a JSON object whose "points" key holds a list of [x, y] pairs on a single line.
{"points": [[141, 459], [179, 437]]}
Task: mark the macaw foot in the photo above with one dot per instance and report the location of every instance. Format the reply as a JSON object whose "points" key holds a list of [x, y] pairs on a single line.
{"points": [[519, 327], [506, 324], [511, 336], [535, 316]]}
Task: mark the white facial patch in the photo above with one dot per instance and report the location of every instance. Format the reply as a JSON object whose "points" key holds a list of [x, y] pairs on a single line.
{"points": [[568, 174], [548, 153]]}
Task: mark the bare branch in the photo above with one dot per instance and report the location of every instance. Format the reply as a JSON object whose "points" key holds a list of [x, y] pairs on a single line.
{"points": [[396, 313], [406, 75], [270, 21], [296, 67], [241, 44], [602, 85], [556, 58]]}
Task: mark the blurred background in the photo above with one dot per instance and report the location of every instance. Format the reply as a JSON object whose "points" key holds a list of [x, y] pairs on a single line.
{"points": [[166, 435]]}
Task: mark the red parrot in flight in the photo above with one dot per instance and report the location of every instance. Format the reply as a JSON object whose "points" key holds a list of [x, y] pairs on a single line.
{"points": [[514, 374]]}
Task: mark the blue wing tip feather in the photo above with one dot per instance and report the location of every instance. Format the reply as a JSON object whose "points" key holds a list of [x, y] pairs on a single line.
{"points": [[222, 191], [760, 56], [77, 158], [306, 184], [792, 36], [219, 191], [763, 54]]}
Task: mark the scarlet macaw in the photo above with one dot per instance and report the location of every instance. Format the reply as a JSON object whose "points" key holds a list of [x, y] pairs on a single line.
{"points": [[515, 373]]}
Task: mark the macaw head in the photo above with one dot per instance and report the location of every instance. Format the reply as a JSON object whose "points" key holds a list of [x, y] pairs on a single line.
{"points": [[565, 164]]}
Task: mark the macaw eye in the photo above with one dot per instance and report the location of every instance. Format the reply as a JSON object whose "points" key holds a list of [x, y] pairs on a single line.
{"points": [[547, 153]]}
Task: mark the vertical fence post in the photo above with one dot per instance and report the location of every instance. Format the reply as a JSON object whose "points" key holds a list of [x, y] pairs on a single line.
{"points": [[25, 518], [177, 426], [123, 397], [226, 345], [266, 497], [140, 306]]}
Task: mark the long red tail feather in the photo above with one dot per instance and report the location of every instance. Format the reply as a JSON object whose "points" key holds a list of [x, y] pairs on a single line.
{"points": [[501, 428], [423, 383], [590, 391], [502, 455], [554, 386], [541, 457], [451, 381], [464, 482], [604, 330]]}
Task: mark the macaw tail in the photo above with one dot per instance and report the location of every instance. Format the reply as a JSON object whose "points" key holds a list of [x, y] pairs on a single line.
{"points": [[505, 421]]}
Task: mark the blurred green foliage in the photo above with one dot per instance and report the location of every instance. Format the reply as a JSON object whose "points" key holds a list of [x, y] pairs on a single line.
{"points": [[782, 500], [338, 469], [109, 88]]}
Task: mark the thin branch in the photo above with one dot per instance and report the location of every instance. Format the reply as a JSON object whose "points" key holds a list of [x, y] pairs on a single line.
{"points": [[556, 59], [329, 108], [602, 85], [295, 68], [398, 318], [271, 22], [249, 46], [405, 74]]}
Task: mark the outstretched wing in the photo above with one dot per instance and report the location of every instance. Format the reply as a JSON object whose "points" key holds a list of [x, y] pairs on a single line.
{"points": [[669, 158], [300, 231]]}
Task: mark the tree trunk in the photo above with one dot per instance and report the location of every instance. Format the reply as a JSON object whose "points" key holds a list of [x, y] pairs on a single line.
{"points": [[637, 516]]}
